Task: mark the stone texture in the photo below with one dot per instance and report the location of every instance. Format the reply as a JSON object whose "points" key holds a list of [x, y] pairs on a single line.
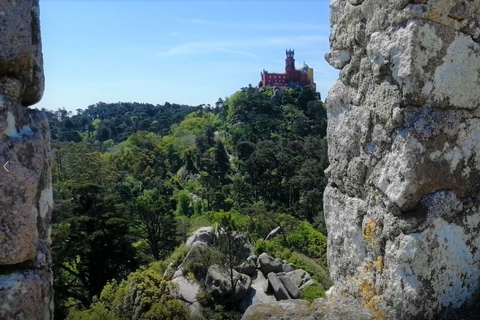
{"points": [[291, 287], [218, 283], [269, 264], [401, 206], [299, 277], [257, 292], [26, 195], [21, 48], [203, 235], [279, 290], [187, 291], [345, 309]]}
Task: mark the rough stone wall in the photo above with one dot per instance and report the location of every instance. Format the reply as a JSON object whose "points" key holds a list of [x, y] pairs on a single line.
{"points": [[403, 204], [26, 199]]}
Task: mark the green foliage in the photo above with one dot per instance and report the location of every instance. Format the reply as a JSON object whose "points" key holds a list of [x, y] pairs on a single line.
{"points": [[145, 295], [308, 241], [311, 293], [133, 180], [183, 204]]}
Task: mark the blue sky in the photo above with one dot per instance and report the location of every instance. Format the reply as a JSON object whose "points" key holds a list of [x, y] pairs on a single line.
{"points": [[186, 51]]}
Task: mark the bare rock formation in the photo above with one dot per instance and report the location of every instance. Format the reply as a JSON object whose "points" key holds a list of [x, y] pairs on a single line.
{"points": [[403, 202], [26, 199]]}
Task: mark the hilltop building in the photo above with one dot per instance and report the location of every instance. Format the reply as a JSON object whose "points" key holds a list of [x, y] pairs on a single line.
{"points": [[291, 78]]}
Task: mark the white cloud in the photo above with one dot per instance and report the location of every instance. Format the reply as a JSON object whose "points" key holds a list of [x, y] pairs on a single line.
{"points": [[261, 26], [239, 46]]}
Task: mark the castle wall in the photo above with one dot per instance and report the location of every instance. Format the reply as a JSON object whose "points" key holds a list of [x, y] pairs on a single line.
{"points": [[402, 205], [26, 196]]}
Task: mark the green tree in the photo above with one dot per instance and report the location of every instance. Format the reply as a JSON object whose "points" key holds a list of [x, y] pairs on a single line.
{"points": [[155, 220]]}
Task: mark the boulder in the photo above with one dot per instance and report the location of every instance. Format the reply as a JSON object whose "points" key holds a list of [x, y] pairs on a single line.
{"points": [[292, 289], [257, 292], [243, 248], [344, 308], [287, 309], [178, 273], [309, 283], [299, 277], [279, 290], [195, 252], [218, 282], [269, 264], [203, 235], [187, 291], [247, 267], [288, 267]]}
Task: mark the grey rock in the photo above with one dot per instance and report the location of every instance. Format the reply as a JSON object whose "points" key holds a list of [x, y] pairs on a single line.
{"points": [[403, 139], [309, 283], [257, 292], [288, 267], [291, 287], [269, 264], [203, 235], [248, 267], [279, 290], [21, 48], [243, 247], [299, 277], [287, 309], [187, 291], [218, 282], [178, 273], [26, 193]]}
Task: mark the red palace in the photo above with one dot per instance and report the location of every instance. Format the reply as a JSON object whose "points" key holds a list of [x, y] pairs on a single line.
{"points": [[291, 78]]}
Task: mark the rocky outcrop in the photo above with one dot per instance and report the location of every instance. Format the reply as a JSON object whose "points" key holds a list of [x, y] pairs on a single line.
{"points": [[269, 264], [257, 294], [219, 284], [402, 205], [26, 198], [187, 291], [202, 235]]}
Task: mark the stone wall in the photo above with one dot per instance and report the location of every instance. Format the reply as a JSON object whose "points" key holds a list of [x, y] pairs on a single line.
{"points": [[402, 205], [26, 199]]}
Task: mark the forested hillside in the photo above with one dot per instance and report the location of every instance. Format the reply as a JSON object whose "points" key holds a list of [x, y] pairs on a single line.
{"points": [[132, 181]]}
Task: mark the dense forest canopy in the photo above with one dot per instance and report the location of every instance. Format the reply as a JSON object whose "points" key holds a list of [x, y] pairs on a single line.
{"points": [[133, 180]]}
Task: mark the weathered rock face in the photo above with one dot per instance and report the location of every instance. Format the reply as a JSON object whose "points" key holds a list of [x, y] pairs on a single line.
{"points": [[26, 199], [402, 206]]}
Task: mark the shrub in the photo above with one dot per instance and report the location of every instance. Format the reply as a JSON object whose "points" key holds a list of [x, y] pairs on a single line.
{"points": [[145, 295], [311, 293]]}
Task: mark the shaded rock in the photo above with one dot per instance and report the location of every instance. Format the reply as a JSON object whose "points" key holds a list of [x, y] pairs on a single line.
{"points": [[309, 283], [269, 264], [288, 267], [299, 277], [218, 282], [203, 235], [248, 267], [257, 292], [195, 252], [187, 291], [243, 247], [21, 48], [292, 289], [279, 290]]}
